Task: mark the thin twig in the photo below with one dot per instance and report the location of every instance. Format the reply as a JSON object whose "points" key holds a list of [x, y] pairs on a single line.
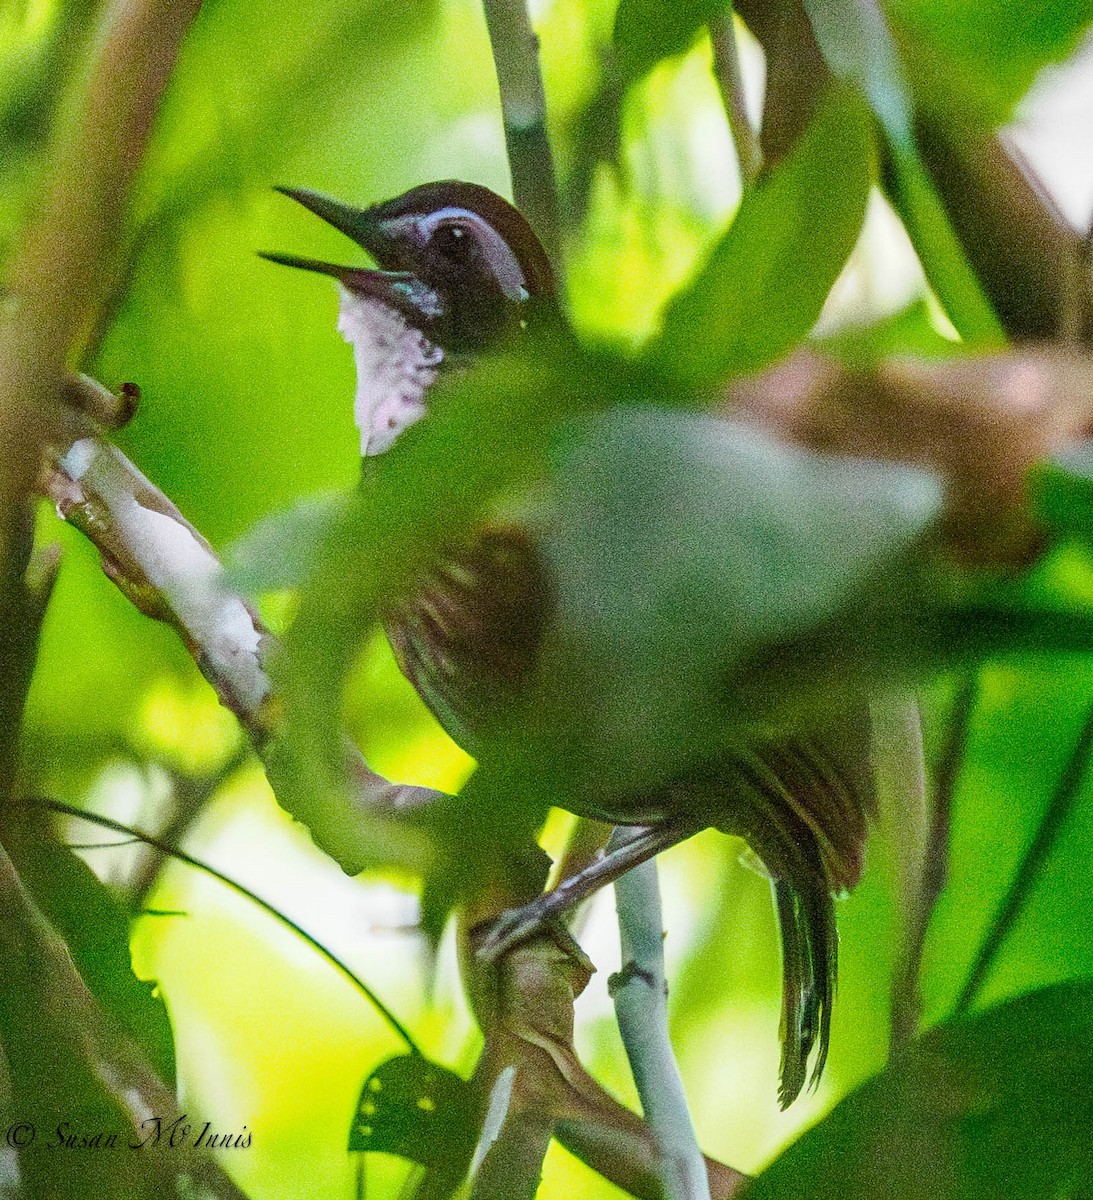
{"points": [[730, 83], [1054, 819], [640, 994], [191, 798], [907, 981], [170, 851], [523, 109]]}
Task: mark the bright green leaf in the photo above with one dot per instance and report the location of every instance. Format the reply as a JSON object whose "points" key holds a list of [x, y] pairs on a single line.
{"points": [[982, 56], [858, 47], [763, 286], [1062, 491]]}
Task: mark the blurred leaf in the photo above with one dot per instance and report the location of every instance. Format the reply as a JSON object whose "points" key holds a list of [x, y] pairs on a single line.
{"points": [[765, 282], [485, 439], [647, 31], [990, 1108], [1061, 491], [280, 550], [681, 548], [95, 928], [909, 331], [858, 47], [982, 57], [418, 1110]]}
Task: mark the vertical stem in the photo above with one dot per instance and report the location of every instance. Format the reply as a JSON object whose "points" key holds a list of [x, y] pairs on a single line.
{"points": [[901, 786], [730, 82], [523, 109], [640, 994], [1058, 810], [907, 983], [61, 268]]}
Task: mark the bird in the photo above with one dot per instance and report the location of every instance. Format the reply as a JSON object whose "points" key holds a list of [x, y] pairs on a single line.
{"points": [[460, 273]]}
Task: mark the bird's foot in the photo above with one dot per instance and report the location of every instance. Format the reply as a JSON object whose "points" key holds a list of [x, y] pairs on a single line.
{"points": [[519, 925]]}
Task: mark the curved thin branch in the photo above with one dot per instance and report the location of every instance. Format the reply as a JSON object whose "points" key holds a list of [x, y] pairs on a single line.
{"points": [[181, 856]]}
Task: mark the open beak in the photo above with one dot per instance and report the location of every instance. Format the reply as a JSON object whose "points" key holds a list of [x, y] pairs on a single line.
{"points": [[359, 224], [397, 289]]}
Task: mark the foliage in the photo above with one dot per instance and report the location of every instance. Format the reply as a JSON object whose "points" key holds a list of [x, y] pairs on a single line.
{"points": [[246, 425]]}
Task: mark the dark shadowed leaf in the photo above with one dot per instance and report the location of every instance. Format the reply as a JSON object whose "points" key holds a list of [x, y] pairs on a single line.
{"points": [[988, 1108], [647, 31], [96, 930], [763, 286], [418, 1110]]}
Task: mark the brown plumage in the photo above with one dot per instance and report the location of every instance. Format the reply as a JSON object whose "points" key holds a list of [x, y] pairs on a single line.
{"points": [[468, 633]]}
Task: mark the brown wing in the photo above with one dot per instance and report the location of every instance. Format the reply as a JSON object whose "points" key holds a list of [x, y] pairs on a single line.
{"points": [[468, 636]]}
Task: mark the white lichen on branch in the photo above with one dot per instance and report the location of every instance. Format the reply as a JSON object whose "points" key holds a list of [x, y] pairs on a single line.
{"points": [[170, 565]]}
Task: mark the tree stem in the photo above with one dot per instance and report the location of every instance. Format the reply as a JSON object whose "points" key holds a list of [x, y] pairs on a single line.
{"points": [[730, 82], [523, 110], [640, 994]]}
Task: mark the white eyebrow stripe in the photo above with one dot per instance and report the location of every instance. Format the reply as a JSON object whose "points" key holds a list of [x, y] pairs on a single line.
{"points": [[502, 261]]}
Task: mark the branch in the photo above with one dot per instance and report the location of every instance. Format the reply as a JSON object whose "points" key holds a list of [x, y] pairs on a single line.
{"points": [[170, 572], [523, 110], [640, 994], [63, 265], [980, 423], [797, 76], [730, 83], [1022, 249]]}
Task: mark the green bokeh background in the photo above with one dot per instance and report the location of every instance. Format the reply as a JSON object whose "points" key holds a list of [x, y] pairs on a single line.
{"points": [[247, 406]]}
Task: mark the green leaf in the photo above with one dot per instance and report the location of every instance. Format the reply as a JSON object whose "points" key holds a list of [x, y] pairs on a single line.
{"points": [[647, 31], [418, 1110], [990, 1108], [765, 282], [485, 439], [980, 56], [281, 550], [1061, 491], [682, 547], [858, 47], [909, 331], [95, 928]]}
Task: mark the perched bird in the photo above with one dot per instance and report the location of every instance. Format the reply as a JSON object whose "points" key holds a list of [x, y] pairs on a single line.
{"points": [[460, 271]]}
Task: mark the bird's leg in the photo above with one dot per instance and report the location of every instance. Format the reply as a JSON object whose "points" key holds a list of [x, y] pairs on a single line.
{"points": [[628, 849]]}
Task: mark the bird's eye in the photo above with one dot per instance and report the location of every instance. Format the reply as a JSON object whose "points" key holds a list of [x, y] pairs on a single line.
{"points": [[454, 242]]}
